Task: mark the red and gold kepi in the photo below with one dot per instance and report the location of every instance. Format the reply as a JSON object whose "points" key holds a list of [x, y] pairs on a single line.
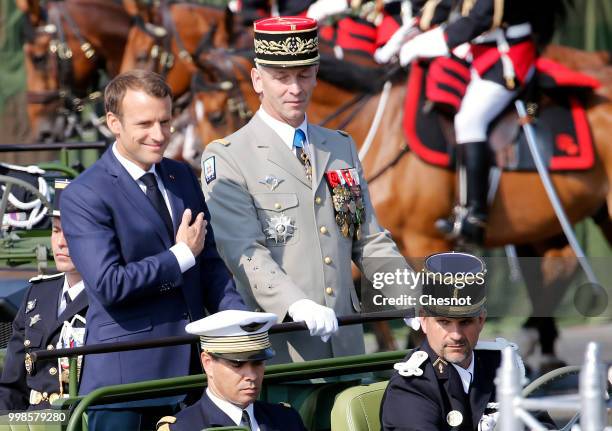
{"points": [[288, 41]]}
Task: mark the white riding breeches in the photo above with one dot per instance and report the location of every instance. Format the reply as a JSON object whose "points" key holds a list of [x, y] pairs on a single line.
{"points": [[483, 101]]}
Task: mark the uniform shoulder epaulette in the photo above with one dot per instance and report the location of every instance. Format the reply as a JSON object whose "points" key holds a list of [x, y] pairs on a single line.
{"points": [[412, 367], [164, 423], [43, 277], [342, 132], [221, 141], [284, 404]]}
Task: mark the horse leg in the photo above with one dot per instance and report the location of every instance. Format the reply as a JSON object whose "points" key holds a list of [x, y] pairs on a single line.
{"points": [[547, 278]]}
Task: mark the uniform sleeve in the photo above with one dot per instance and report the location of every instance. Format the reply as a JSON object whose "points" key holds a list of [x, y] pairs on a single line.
{"points": [[240, 238], [13, 383], [407, 406], [478, 21], [95, 249], [215, 279]]}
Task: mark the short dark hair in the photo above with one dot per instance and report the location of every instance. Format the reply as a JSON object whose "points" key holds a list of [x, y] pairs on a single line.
{"points": [[149, 82]]}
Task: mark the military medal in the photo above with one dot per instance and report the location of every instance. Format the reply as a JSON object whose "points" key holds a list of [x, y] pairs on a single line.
{"points": [[35, 318], [307, 165], [280, 229], [348, 202], [28, 363], [271, 181], [454, 418], [30, 305]]}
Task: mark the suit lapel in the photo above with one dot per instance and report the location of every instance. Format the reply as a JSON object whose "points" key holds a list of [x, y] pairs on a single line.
{"points": [[134, 195], [320, 154], [480, 391], [278, 152], [171, 183]]}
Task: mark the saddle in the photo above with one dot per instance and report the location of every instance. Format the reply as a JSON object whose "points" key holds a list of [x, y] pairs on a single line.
{"points": [[555, 98]]}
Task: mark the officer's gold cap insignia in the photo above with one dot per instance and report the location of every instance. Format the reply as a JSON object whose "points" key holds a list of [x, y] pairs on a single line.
{"points": [[454, 418], [412, 367]]}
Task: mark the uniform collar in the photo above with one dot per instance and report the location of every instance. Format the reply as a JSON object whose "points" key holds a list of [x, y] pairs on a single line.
{"points": [[73, 291], [233, 411], [284, 130]]}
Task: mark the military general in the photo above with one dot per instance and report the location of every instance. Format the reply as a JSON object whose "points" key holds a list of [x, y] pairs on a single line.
{"points": [[289, 202]]}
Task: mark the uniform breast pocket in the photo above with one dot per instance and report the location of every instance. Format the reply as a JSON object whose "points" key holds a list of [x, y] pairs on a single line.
{"points": [[279, 217]]}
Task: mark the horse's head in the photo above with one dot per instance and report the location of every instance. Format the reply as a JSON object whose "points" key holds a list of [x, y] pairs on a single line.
{"points": [[168, 46], [223, 98]]}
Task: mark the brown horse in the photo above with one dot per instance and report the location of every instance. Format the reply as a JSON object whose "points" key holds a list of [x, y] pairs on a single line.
{"points": [[410, 195], [168, 46], [63, 55]]}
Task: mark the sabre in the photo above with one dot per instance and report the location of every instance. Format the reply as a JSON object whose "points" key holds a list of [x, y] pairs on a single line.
{"points": [[552, 194]]}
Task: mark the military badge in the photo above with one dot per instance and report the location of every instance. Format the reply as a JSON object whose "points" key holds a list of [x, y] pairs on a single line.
{"points": [[28, 363], [348, 201], [280, 229], [30, 305], [210, 170], [454, 418], [271, 181], [34, 319], [412, 367]]}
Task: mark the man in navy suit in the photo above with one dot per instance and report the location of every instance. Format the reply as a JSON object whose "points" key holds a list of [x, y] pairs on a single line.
{"points": [[137, 229], [235, 345]]}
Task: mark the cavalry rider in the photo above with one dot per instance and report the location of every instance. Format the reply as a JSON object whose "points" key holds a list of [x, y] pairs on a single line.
{"points": [[502, 54]]}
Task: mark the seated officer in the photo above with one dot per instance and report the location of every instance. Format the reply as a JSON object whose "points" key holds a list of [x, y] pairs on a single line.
{"points": [[235, 345], [51, 316], [448, 382]]}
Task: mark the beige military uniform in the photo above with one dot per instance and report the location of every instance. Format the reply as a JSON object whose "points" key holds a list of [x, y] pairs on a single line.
{"points": [[313, 259]]}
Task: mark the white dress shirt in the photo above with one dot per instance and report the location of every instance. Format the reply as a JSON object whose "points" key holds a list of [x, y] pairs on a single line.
{"points": [[467, 375], [284, 130], [233, 411], [73, 292], [183, 254]]}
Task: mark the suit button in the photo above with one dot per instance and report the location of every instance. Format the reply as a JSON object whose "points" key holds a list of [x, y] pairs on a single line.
{"points": [[53, 371], [323, 230], [277, 206], [318, 200], [26, 343], [327, 260], [50, 347], [329, 291]]}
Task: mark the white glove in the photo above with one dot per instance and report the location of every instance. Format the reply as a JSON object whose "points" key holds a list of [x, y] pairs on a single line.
{"points": [[321, 9], [487, 422], [321, 320], [386, 52], [413, 322], [428, 45]]}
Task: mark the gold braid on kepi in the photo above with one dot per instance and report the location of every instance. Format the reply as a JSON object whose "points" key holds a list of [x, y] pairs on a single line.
{"points": [[235, 335], [288, 41]]}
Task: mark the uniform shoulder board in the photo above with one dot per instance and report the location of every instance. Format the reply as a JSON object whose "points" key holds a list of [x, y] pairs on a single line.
{"points": [[223, 142], [42, 277], [285, 404], [342, 132], [412, 367], [164, 423]]}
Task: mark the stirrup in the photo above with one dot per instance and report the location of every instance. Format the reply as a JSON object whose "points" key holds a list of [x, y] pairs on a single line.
{"points": [[463, 226]]}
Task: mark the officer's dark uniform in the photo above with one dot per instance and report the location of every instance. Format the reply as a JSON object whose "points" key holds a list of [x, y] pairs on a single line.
{"points": [[430, 395], [25, 385]]}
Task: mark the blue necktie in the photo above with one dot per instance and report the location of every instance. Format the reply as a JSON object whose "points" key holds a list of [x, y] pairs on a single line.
{"points": [[298, 142]]}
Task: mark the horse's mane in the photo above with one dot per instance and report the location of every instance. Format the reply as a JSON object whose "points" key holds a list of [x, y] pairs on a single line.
{"points": [[546, 16]]}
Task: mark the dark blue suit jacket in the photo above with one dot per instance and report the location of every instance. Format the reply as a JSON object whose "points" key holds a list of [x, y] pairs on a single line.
{"points": [[15, 383], [205, 414], [120, 246]]}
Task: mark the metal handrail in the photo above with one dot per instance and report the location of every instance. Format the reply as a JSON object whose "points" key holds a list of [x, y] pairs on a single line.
{"points": [[52, 146]]}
